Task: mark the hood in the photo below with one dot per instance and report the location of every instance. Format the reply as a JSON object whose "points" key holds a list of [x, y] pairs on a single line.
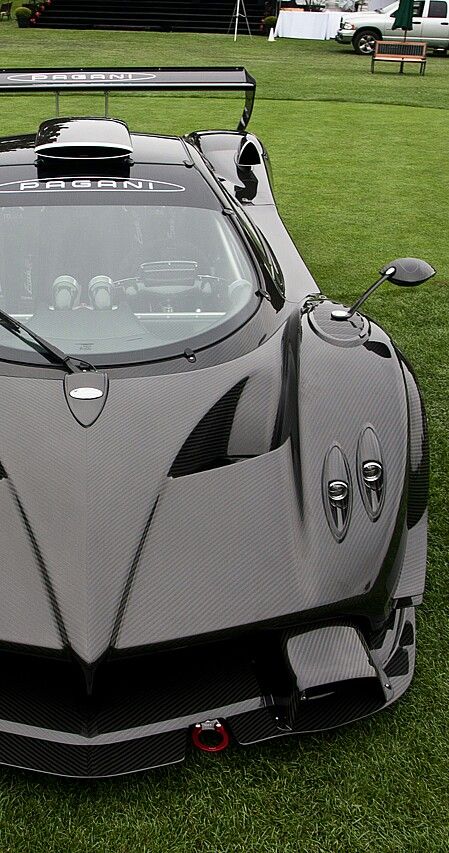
{"points": [[194, 503], [361, 16], [76, 503]]}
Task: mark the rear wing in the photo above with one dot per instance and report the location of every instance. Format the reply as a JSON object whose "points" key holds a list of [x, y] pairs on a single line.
{"points": [[58, 80]]}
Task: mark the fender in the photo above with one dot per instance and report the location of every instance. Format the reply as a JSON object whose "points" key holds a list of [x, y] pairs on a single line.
{"points": [[411, 582], [247, 183], [343, 390]]}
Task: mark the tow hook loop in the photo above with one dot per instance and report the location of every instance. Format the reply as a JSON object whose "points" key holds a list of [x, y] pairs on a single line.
{"points": [[210, 736]]}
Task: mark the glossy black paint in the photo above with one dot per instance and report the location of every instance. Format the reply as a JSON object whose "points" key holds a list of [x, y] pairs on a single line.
{"points": [[238, 448], [135, 79], [408, 272], [85, 138]]}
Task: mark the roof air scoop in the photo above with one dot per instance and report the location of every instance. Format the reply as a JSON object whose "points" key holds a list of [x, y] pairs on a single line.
{"points": [[83, 139], [248, 154]]}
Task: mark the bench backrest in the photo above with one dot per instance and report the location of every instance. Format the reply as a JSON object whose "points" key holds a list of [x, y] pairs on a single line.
{"points": [[5, 7], [400, 48]]}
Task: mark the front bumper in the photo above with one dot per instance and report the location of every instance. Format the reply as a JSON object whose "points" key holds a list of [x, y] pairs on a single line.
{"points": [[344, 36], [142, 711]]}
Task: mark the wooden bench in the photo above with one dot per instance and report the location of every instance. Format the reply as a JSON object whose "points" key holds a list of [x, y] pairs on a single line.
{"points": [[400, 51]]}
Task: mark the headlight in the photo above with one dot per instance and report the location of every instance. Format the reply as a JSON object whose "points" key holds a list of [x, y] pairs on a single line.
{"points": [[348, 26]]}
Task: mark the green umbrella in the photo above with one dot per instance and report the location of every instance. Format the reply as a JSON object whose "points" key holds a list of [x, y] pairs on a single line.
{"points": [[403, 17]]}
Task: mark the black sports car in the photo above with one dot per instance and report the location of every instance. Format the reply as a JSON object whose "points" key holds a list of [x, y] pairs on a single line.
{"points": [[213, 480]]}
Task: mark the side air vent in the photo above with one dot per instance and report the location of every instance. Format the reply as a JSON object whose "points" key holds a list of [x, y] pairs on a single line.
{"points": [[83, 138], [207, 444], [408, 635], [398, 665]]}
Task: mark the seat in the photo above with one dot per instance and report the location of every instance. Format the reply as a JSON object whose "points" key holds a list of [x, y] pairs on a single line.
{"points": [[5, 11], [101, 292], [66, 292], [401, 52]]}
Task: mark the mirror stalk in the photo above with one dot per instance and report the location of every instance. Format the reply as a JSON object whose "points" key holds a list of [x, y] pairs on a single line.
{"points": [[407, 272], [340, 314]]}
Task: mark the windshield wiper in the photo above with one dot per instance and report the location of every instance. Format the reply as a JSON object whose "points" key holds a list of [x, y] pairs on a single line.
{"points": [[53, 353]]}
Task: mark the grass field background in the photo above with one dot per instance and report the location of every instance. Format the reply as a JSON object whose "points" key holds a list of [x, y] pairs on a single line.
{"points": [[362, 176]]}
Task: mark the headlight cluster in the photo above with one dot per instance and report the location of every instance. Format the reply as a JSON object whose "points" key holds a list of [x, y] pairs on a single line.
{"points": [[348, 26]]}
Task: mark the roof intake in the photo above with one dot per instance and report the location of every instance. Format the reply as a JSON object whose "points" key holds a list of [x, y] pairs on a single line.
{"points": [[83, 138]]}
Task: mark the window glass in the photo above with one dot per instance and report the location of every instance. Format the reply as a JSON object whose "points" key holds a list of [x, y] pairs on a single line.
{"points": [[438, 9], [120, 278], [418, 9]]}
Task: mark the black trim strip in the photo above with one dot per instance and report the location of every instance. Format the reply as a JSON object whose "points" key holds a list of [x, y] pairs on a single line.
{"points": [[131, 576], [41, 564]]}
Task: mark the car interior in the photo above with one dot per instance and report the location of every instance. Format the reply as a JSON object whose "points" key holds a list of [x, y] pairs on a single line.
{"points": [[109, 278]]}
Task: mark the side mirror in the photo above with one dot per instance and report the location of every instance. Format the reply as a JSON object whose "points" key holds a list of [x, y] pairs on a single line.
{"points": [[406, 272]]}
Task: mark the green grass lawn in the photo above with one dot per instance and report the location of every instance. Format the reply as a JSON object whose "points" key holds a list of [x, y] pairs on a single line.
{"points": [[362, 176]]}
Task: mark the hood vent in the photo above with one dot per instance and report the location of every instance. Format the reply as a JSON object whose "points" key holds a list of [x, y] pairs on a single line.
{"points": [[83, 139], [207, 445]]}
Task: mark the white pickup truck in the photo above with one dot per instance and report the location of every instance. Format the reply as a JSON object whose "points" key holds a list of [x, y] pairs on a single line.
{"points": [[430, 24]]}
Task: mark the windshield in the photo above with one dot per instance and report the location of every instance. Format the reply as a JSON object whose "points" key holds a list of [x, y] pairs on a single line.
{"points": [[121, 279]]}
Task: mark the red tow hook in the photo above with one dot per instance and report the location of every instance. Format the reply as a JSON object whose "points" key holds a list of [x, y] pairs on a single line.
{"points": [[210, 736]]}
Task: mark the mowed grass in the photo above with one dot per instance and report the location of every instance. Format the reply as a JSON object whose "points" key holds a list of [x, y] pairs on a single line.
{"points": [[361, 171]]}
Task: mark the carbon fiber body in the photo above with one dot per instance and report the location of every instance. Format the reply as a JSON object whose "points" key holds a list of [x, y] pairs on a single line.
{"points": [[177, 558]]}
